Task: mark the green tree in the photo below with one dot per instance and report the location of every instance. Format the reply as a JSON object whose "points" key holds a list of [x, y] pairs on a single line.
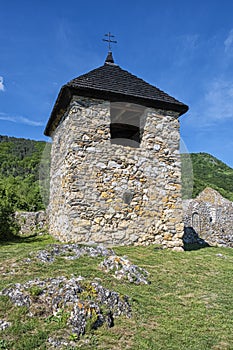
{"points": [[8, 225]]}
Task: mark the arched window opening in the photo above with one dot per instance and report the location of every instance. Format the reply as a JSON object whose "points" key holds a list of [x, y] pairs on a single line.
{"points": [[196, 224]]}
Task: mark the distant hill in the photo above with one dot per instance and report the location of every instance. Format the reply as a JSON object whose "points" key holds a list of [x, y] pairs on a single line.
{"points": [[208, 171], [20, 167]]}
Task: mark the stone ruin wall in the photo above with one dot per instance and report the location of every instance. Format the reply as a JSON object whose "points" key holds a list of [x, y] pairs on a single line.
{"points": [[112, 194], [32, 222], [206, 221], [211, 217]]}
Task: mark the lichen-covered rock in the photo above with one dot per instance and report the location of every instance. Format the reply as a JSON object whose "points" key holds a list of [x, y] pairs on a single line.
{"points": [[121, 266], [70, 252], [124, 269], [75, 299]]}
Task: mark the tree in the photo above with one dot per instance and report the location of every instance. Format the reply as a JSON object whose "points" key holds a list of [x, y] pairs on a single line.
{"points": [[8, 224]]}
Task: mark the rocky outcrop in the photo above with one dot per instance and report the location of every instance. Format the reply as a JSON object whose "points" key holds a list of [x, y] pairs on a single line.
{"points": [[83, 304], [81, 300]]}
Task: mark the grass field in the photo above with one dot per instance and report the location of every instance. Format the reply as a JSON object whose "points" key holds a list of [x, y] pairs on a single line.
{"points": [[187, 306]]}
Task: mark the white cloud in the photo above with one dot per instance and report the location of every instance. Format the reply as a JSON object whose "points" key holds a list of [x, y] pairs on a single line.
{"points": [[20, 120], [2, 87], [215, 106], [219, 100], [228, 43]]}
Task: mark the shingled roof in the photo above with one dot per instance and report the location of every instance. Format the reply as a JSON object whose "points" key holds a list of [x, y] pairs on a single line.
{"points": [[111, 82]]}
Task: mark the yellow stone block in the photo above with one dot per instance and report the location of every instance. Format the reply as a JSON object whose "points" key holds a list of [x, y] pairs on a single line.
{"points": [[104, 195], [97, 220], [167, 236], [165, 199], [173, 220], [179, 227]]}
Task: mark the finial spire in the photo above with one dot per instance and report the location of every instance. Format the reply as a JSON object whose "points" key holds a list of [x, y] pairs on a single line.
{"points": [[109, 58]]}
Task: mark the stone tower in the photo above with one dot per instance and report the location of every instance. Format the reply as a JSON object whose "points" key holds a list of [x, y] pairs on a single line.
{"points": [[115, 166]]}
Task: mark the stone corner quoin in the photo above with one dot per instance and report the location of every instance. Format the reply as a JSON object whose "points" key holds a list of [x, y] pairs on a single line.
{"points": [[106, 192]]}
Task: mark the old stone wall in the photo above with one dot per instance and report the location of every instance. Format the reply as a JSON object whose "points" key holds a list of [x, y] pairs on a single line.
{"points": [[32, 222], [211, 217], [113, 194]]}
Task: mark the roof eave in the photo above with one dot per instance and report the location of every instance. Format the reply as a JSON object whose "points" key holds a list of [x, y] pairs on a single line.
{"points": [[120, 97], [67, 92], [62, 101]]}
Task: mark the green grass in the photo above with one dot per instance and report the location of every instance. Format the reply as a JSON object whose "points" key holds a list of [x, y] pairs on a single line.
{"points": [[188, 304]]}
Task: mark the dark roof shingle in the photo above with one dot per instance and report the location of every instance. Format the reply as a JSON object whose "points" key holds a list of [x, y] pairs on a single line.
{"points": [[112, 78], [113, 83]]}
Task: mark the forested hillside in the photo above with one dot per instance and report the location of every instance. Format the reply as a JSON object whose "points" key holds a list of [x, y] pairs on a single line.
{"points": [[21, 168], [208, 171], [19, 172]]}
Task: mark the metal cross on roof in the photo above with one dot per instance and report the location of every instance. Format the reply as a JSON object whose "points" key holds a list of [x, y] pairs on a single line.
{"points": [[109, 35]]}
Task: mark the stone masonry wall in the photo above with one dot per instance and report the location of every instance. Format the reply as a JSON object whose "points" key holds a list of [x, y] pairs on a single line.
{"points": [[210, 217], [32, 222], [113, 194]]}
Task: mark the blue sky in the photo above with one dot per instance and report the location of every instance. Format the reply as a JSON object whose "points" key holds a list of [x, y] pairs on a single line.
{"points": [[183, 47]]}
